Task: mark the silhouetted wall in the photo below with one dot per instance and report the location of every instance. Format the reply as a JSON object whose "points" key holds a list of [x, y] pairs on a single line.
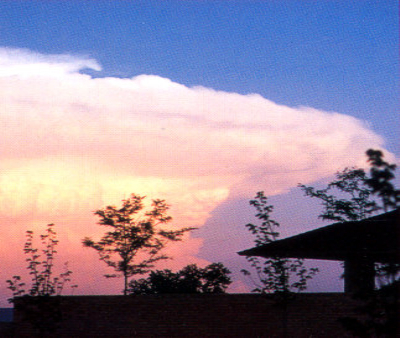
{"points": [[201, 315], [6, 329]]}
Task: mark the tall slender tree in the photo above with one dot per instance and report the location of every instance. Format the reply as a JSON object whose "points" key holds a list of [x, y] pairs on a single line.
{"points": [[40, 267], [36, 304], [276, 274], [136, 238]]}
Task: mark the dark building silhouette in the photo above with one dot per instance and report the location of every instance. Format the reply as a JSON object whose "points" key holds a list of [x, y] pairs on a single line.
{"points": [[359, 244], [193, 315]]}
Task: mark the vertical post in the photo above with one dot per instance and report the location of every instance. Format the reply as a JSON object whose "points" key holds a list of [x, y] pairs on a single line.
{"points": [[359, 276]]}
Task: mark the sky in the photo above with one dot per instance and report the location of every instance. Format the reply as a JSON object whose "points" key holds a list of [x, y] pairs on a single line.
{"points": [[200, 103]]}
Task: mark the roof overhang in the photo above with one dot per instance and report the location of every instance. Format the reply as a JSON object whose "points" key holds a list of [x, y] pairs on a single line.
{"points": [[375, 238]]}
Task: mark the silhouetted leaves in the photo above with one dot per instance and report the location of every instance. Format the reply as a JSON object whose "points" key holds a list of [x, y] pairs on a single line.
{"points": [[40, 267], [134, 232], [358, 203], [358, 191], [381, 175], [273, 274], [36, 304], [191, 279]]}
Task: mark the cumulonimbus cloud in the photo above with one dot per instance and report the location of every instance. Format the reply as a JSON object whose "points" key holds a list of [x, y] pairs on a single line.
{"points": [[71, 143]]}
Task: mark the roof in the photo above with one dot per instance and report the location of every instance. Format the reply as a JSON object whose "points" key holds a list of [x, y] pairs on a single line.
{"points": [[375, 238]]}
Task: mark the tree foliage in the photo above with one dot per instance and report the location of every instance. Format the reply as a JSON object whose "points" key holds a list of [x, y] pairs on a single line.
{"points": [[274, 274], [191, 279], [36, 304], [134, 243], [40, 267], [381, 175], [352, 196], [347, 198]]}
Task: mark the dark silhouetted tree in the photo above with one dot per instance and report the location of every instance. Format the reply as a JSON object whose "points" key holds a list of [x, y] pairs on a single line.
{"points": [[191, 279], [355, 201], [381, 175], [355, 195], [134, 243], [275, 273], [40, 267], [38, 307]]}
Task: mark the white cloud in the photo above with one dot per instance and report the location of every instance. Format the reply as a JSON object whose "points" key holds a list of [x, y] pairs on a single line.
{"points": [[25, 63], [154, 130]]}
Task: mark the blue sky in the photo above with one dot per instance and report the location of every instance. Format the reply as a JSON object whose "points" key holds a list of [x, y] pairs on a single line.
{"points": [[332, 55], [100, 99]]}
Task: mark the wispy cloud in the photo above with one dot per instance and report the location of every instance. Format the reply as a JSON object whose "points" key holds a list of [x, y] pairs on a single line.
{"points": [[25, 63]]}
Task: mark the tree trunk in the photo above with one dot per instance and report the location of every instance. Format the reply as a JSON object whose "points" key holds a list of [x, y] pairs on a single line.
{"points": [[125, 284]]}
